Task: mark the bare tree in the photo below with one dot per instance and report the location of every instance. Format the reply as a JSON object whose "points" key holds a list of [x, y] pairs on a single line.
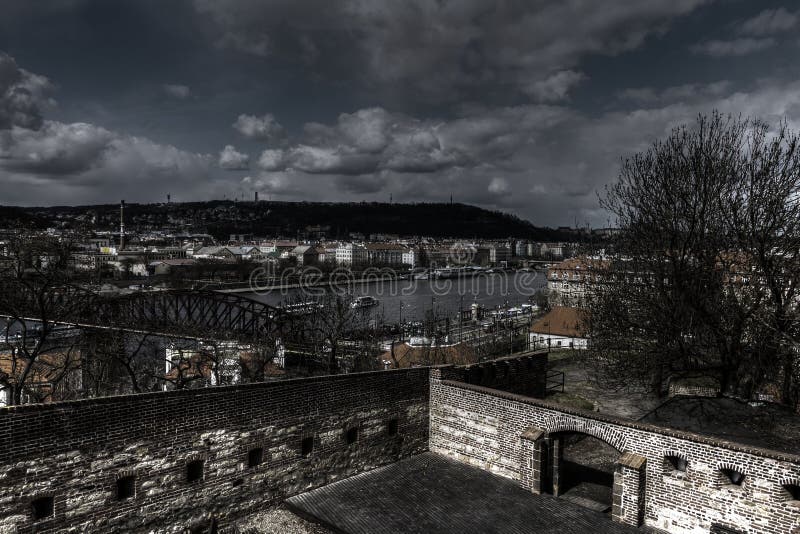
{"points": [[334, 328], [704, 277], [36, 298]]}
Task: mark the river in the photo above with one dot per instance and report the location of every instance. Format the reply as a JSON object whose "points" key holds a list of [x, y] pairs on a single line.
{"points": [[411, 299]]}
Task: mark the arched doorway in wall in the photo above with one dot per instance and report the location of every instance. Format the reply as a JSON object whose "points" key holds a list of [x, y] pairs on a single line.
{"points": [[580, 467]]}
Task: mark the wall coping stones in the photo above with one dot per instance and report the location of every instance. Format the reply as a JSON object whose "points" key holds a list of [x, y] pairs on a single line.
{"points": [[504, 359], [664, 431], [205, 391], [634, 461], [532, 433]]}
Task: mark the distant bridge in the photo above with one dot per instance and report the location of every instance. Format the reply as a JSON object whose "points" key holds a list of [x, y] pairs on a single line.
{"points": [[175, 313]]}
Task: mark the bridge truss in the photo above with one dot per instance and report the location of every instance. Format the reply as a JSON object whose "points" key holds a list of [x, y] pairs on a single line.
{"points": [[172, 313]]}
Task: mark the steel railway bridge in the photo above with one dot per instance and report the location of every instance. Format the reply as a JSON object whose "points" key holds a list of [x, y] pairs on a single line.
{"points": [[172, 313]]}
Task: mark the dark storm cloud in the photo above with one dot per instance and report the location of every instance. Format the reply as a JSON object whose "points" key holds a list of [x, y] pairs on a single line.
{"points": [[365, 142], [441, 50], [734, 47], [549, 161], [755, 34], [23, 95], [54, 149], [523, 105], [770, 21], [35, 151]]}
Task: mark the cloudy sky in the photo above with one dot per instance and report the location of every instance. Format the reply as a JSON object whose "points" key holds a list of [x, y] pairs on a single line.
{"points": [[521, 105]]}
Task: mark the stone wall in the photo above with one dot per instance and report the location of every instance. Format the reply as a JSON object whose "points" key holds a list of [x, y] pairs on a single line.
{"points": [[502, 432], [249, 444]]}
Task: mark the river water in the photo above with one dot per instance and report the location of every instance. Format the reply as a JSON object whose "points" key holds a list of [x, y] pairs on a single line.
{"points": [[409, 300]]}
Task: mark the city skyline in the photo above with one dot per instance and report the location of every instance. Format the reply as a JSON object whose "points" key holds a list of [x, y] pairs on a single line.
{"points": [[518, 107]]}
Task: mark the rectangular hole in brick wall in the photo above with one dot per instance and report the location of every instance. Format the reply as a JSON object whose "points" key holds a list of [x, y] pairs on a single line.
{"points": [[42, 508], [351, 436], [307, 446], [675, 463], [255, 457], [392, 426], [793, 490], [126, 487], [733, 476], [194, 471]]}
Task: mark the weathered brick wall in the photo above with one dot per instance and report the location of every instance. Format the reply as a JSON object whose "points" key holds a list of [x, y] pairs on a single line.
{"points": [[484, 427], [525, 374], [76, 451]]}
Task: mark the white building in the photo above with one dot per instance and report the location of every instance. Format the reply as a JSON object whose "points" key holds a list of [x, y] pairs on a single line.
{"points": [[410, 257], [351, 253], [561, 327], [499, 254]]}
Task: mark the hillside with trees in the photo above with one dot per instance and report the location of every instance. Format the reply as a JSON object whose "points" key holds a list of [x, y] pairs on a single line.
{"points": [[266, 218]]}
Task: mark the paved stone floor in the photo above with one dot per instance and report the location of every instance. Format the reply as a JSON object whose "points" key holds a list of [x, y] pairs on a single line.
{"points": [[435, 495], [278, 520]]}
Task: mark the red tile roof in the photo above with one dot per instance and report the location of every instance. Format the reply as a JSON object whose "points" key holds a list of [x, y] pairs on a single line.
{"points": [[562, 321]]}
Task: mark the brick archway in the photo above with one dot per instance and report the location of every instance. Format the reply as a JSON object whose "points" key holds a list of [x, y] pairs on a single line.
{"points": [[597, 429], [542, 451]]}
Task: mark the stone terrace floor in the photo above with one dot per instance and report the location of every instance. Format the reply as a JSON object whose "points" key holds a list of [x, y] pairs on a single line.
{"points": [[432, 494]]}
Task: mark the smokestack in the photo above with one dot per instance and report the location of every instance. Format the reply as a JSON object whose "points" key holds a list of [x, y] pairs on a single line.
{"points": [[122, 225], [168, 198], [256, 196]]}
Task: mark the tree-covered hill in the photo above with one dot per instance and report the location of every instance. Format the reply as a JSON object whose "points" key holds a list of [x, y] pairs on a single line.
{"points": [[222, 218]]}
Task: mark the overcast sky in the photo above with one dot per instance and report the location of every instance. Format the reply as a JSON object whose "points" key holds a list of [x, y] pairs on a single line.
{"points": [[526, 106]]}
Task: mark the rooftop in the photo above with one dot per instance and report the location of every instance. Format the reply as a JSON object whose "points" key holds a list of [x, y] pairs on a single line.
{"points": [[432, 494], [561, 321]]}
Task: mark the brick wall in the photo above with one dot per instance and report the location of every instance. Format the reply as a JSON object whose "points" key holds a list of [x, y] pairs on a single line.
{"points": [[75, 452], [498, 431], [524, 375]]}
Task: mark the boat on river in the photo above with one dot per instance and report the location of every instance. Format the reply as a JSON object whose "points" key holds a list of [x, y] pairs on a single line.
{"points": [[366, 301]]}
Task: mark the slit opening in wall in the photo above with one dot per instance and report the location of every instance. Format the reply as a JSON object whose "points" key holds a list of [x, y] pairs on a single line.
{"points": [[255, 457], [732, 476], [307, 446], [392, 426], [42, 508], [351, 436], [126, 487], [203, 527], [194, 471]]}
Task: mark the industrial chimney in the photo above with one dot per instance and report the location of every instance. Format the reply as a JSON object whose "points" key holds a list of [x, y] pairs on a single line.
{"points": [[122, 225], [256, 196]]}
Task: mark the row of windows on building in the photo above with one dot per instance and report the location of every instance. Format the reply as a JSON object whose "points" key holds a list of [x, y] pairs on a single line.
{"points": [[677, 465], [44, 507]]}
